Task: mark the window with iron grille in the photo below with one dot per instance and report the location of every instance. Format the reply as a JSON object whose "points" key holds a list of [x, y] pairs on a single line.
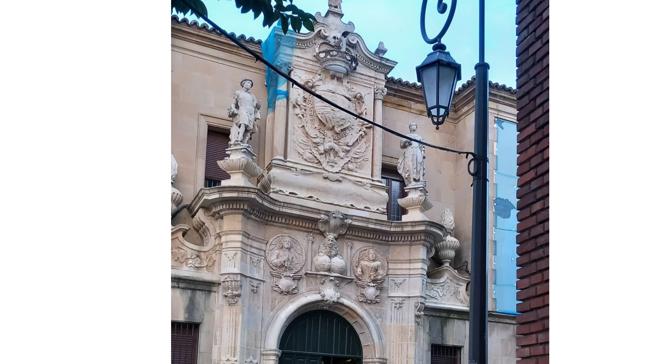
{"points": [[216, 144], [442, 354], [395, 190], [184, 343]]}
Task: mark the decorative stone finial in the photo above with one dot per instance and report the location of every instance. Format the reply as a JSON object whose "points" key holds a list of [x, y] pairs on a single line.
{"points": [[447, 220], [381, 50], [335, 6]]}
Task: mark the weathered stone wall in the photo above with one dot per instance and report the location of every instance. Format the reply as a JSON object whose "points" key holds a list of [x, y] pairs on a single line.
{"points": [[533, 182]]}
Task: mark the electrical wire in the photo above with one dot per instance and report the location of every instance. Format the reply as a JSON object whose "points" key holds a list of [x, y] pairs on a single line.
{"points": [[294, 82]]}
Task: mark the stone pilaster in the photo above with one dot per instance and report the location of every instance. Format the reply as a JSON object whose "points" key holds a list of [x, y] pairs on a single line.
{"points": [[376, 169]]}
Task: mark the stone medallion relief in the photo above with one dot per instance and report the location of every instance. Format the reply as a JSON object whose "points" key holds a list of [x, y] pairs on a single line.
{"points": [[285, 256], [326, 136], [369, 269]]}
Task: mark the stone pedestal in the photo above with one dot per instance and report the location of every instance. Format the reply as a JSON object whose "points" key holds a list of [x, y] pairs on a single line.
{"points": [[241, 166], [415, 202]]}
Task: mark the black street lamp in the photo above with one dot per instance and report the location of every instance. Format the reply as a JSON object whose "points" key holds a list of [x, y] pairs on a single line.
{"points": [[438, 75]]}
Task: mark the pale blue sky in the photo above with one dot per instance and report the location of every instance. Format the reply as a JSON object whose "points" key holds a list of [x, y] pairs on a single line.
{"points": [[396, 23]]}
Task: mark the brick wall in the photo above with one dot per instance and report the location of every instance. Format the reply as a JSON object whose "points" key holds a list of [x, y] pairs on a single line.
{"points": [[533, 183]]}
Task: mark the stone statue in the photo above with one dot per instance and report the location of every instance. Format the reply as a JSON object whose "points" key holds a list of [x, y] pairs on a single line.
{"points": [[369, 268], [245, 112], [174, 169], [411, 165], [176, 195]]}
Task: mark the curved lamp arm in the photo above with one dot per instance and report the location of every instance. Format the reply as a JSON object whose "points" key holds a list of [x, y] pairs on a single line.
{"points": [[441, 8]]}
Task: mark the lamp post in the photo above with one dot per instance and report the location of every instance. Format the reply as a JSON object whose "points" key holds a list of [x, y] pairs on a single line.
{"points": [[438, 75]]}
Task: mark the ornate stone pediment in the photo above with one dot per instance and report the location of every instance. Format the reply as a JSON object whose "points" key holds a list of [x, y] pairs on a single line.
{"points": [[338, 48]]}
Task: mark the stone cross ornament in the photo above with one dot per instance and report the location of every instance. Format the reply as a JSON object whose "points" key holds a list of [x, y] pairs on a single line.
{"points": [[244, 111]]}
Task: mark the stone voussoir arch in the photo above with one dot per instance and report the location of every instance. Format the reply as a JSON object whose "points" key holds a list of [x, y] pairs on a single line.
{"points": [[371, 337]]}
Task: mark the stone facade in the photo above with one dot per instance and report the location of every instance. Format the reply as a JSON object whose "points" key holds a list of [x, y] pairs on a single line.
{"points": [[301, 223], [533, 182]]}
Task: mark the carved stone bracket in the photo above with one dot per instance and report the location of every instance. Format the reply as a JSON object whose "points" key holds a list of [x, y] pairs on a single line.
{"points": [[330, 290], [446, 286], [231, 288], [419, 312]]}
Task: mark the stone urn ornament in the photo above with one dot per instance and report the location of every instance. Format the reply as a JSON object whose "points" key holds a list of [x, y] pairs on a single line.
{"points": [[328, 258], [445, 249]]}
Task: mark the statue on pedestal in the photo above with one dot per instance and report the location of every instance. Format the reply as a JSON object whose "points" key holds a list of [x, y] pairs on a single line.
{"points": [[411, 165], [245, 113], [240, 162]]}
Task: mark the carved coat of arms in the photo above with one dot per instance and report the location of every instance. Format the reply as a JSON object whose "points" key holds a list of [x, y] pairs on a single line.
{"points": [[327, 136]]}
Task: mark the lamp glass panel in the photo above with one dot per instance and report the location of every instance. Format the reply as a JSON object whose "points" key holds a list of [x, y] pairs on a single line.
{"points": [[439, 81], [447, 80], [429, 82]]}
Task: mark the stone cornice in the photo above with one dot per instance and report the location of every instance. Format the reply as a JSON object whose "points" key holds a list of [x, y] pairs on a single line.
{"points": [[256, 204], [462, 314]]}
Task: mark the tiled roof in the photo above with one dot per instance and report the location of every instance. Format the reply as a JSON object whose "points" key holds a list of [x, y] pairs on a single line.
{"points": [[194, 24], [494, 85], [397, 81], [464, 86]]}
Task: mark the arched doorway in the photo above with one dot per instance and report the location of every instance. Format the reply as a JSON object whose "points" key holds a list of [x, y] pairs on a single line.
{"points": [[320, 337]]}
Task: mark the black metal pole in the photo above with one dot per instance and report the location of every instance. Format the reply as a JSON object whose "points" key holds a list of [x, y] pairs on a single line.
{"points": [[478, 334]]}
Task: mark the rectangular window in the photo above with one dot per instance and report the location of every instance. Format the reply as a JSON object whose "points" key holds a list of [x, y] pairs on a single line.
{"points": [[184, 343], [217, 142], [395, 190], [442, 354], [505, 215]]}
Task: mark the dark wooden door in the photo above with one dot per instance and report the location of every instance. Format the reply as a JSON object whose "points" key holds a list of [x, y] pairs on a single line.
{"points": [[320, 337]]}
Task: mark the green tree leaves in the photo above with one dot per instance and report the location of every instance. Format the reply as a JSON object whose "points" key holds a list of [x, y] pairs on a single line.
{"points": [[186, 6], [272, 10]]}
